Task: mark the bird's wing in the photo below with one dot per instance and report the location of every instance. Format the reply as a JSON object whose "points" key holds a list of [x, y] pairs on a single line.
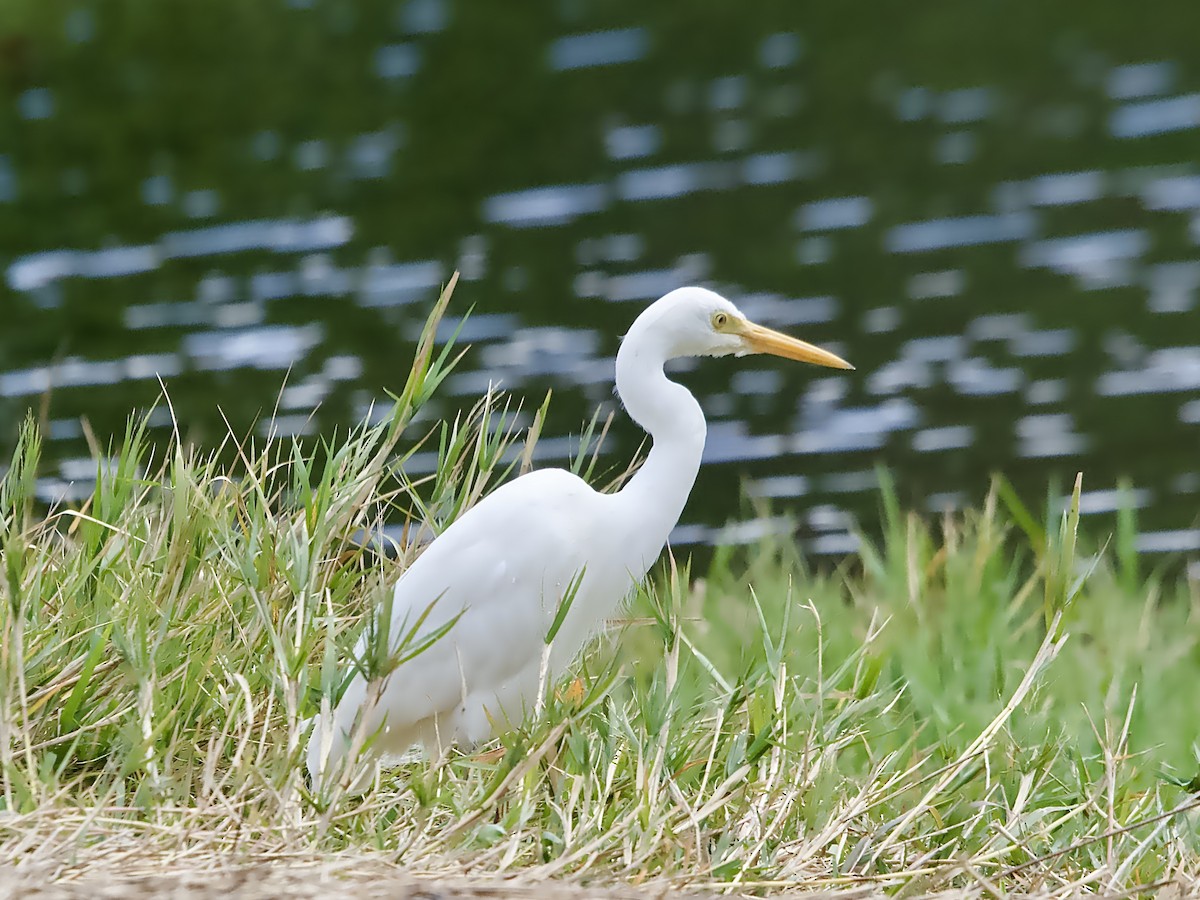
{"points": [[501, 570]]}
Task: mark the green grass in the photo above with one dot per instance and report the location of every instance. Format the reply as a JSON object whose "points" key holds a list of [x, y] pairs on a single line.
{"points": [[985, 702]]}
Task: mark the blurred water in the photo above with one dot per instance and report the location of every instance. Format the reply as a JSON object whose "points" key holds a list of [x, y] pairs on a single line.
{"points": [[1011, 261]]}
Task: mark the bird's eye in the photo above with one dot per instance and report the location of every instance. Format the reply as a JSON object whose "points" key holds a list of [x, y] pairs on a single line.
{"points": [[720, 320]]}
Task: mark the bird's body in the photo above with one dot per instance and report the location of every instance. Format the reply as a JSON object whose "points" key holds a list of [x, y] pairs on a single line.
{"points": [[504, 567], [549, 522]]}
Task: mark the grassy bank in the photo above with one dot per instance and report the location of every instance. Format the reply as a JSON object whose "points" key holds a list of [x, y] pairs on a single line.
{"points": [[983, 702]]}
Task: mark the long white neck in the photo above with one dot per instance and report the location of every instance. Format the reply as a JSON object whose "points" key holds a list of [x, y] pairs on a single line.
{"points": [[658, 491]]}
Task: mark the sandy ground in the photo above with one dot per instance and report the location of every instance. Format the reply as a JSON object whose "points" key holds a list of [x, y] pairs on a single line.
{"points": [[253, 882], [340, 878], [257, 881], [128, 868]]}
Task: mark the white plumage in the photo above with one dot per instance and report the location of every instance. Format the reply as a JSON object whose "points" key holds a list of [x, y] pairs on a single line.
{"points": [[504, 566]]}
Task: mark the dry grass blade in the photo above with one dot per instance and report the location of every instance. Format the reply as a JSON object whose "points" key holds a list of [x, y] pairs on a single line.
{"points": [[1050, 647]]}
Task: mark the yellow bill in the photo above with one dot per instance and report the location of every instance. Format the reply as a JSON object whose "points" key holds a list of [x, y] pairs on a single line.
{"points": [[764, 340]]}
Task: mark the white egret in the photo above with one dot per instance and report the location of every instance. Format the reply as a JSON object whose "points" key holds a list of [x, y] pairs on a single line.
{"points": [[503, 568]]}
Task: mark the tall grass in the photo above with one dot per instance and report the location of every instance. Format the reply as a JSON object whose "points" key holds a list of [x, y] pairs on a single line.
{"points": [[986, 702]]}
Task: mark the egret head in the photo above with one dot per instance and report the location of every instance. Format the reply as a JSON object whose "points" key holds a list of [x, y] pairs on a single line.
{"points": [[699, 322]]}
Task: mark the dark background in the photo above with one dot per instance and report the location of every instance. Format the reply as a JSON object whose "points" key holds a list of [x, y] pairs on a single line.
{"points": [[229, 194]]}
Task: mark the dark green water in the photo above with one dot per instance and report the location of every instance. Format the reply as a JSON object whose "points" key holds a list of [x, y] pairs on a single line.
{"points": [[993, 212]]}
